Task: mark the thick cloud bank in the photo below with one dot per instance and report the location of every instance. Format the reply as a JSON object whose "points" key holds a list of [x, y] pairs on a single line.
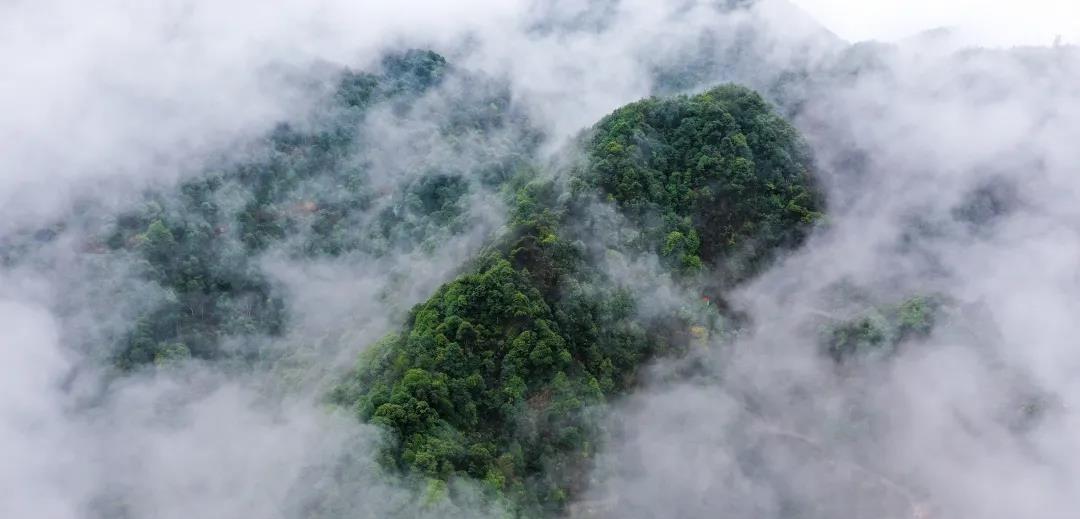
{"points": [[950, 174]]}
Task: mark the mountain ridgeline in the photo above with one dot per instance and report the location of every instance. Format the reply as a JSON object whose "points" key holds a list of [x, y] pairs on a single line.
{"points": [[502, 375], [593, 259]]}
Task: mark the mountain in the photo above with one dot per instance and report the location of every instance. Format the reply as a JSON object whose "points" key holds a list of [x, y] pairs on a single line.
{"points": [[775, 275], [501, 376]]}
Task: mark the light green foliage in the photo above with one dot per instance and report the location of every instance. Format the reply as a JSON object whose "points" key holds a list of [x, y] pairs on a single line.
{"points": [[682, 251], [916, 316], [170, 354], [881, 330]]}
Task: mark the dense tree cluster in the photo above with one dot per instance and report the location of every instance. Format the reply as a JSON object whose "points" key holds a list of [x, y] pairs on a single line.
{"points": [[715, 179], [500, 375]]}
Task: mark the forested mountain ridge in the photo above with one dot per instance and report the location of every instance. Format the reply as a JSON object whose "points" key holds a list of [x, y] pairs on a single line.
{"points": [[583, 259], [503, 373], [502, 377]]}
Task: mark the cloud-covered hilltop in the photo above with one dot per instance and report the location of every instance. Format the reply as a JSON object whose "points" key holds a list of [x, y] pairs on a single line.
{"points": [[615, 258]]}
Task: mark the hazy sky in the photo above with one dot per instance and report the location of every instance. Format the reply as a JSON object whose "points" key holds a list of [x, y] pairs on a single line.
{"points": [[989, 22]]}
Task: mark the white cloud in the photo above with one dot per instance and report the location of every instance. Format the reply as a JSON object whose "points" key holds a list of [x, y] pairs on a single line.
{"points": [[992, 23], [113, 87]]}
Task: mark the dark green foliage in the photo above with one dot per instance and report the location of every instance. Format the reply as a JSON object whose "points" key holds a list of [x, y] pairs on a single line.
{"points": [[496, 377], [716, 179]]}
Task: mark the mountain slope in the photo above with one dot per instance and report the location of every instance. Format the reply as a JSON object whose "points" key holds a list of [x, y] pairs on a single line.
{"points": [[502, 374]]}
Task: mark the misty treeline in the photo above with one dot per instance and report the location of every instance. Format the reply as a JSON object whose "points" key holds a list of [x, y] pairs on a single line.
{"points": [[502, 375], [306, 192], [501, 378]]}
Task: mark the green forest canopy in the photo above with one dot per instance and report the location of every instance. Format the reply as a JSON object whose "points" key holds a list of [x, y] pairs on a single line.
{"points": [[498, 376]]}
